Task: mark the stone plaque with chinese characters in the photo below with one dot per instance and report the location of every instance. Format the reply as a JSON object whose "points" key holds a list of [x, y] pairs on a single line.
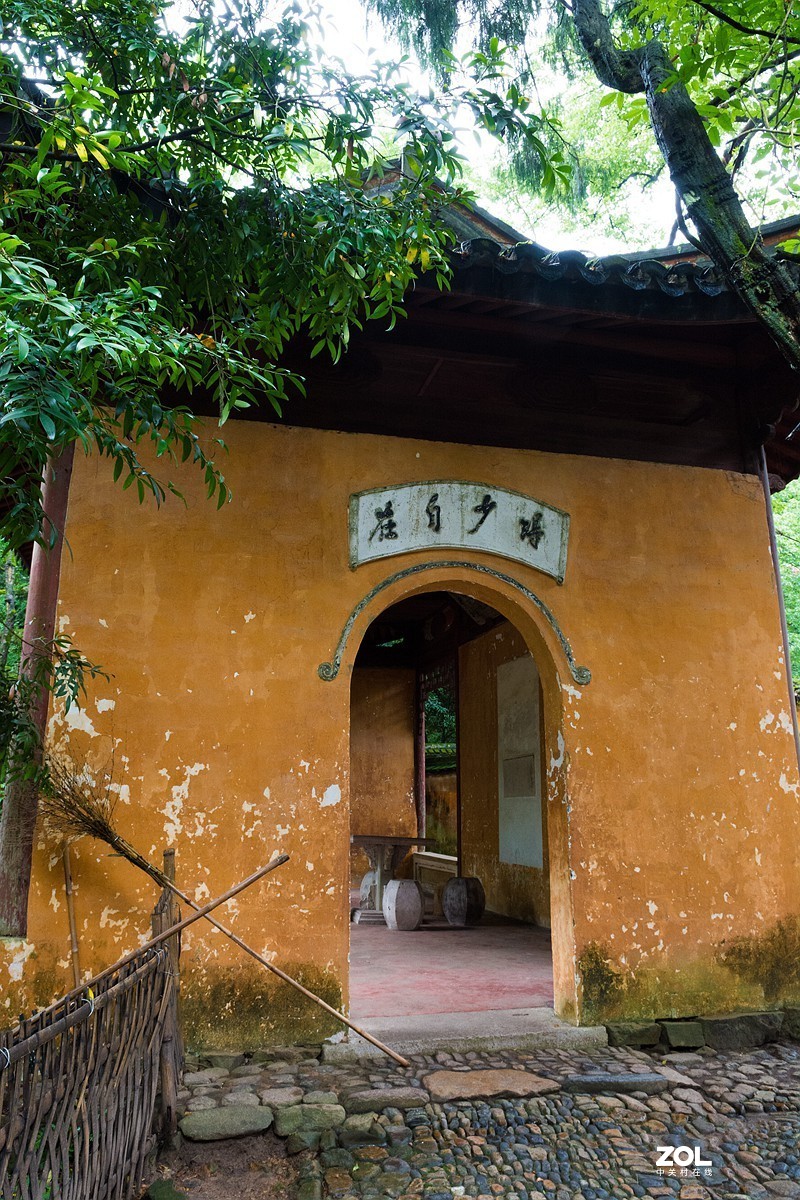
{"points": [[455, 515]]}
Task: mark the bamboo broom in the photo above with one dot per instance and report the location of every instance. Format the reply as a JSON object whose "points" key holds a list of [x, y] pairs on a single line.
{"points": [[74, 807]]}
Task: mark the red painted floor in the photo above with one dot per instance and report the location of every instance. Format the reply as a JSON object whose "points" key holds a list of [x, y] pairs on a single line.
{"points": [[438, 969]]}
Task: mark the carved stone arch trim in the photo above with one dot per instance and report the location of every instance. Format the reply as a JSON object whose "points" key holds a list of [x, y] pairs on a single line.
{"points": [[328, 671]]}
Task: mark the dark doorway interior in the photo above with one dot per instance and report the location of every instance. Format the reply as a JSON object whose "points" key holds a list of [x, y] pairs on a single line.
{"points": [[425, 764]]}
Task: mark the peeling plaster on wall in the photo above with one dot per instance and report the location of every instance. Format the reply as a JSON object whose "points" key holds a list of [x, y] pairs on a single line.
{"points": [[782, 721], [122, 790], [16, 966], [172, 809], [55, 903], [557, 763], [332, 795], [200, 826], [598, 796], [107, 921], [78, 718], [105, 705]]}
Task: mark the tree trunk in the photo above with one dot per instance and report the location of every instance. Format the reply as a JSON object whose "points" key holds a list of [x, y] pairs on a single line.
{"points": [[18, 817], [767, 285]]}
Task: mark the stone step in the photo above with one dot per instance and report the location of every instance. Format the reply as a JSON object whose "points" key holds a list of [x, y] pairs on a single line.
{"points": [[368, 916], [497, 1029]]}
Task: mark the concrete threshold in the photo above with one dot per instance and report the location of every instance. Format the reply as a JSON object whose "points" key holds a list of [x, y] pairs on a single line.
{"points": [[497, 1029]]}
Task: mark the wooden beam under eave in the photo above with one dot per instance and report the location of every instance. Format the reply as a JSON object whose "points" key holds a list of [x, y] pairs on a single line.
{"points": [[627, 342]]}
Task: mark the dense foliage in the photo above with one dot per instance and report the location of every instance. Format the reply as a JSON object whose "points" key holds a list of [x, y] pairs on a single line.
{"points": [[717, 83], [741, 62], [786, 509], [440, 717], [13, 589], [184, 190], [181, 195]]}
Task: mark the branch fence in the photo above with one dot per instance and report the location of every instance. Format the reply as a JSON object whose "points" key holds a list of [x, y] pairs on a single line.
{"points": [[88, 1086]]}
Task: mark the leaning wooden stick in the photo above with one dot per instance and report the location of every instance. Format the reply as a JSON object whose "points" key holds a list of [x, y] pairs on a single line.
{"points": [[47, 1030], [398, 1058], [73, 928], [72, 810], [181, 925]]}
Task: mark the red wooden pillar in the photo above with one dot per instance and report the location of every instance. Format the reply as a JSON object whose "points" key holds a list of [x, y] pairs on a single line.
{"points": [[18, 818], [419, 753]]}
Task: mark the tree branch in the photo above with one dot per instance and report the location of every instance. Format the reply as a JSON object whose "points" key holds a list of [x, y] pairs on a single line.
{"points": [[764, 283], [619, 69], [772, 34]]}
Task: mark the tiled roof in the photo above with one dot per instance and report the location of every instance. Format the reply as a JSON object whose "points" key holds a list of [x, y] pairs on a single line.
{"points": [[685, 274]]}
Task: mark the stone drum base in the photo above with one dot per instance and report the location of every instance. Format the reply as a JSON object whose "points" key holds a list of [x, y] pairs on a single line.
{"points": [[403, 904]]}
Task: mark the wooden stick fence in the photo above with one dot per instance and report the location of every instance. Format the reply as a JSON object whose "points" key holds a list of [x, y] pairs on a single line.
{"points": [[79, 1080], [76, 1107], [166, 915]]}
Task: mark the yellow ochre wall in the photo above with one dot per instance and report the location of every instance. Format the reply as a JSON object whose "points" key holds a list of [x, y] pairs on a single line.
{"points": [[381, 757], [511, 889], [672, 790]]}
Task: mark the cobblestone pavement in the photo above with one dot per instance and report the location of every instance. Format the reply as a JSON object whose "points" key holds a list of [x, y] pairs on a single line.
{"points": [[376, 1131]]}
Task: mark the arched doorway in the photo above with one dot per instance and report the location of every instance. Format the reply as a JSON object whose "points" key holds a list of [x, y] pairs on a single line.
{"points": [[454, 754]]}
